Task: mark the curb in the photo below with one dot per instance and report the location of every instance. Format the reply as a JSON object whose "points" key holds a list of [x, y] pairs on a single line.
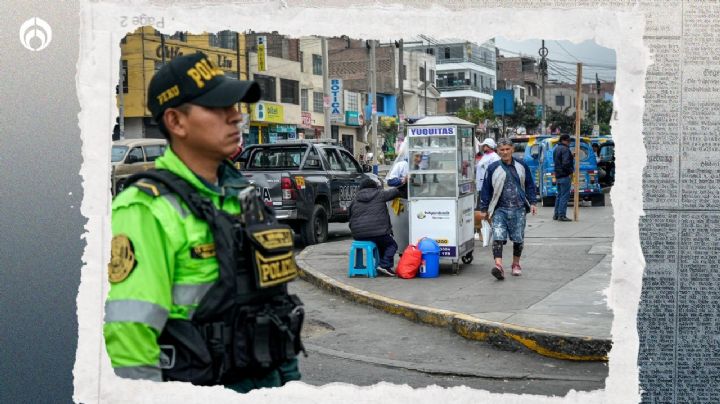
{"points": [[501, 335]]}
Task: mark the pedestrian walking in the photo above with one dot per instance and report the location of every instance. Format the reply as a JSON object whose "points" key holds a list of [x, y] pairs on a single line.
{"points": [[507, 196], [564, 168], [370, 221], [199, 267]]}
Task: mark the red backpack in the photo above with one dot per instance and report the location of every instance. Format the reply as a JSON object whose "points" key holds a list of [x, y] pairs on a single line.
{"points": [[409, 262]]}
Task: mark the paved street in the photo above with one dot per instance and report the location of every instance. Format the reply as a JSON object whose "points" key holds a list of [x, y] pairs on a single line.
{"points": [[352, 343], [349, 341]]}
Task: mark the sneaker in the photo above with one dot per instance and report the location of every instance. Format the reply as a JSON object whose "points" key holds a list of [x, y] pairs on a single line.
{"points": [[498, 272], [555, 218], [386, 271], [564, 219], [516, 270]]}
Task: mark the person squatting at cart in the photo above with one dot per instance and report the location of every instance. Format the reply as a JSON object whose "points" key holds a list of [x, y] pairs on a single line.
{"points": [[370, 220], [199, 266], [507, 195]]}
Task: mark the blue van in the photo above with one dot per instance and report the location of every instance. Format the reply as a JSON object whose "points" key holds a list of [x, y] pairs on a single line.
{"points": [[531, 157], [589, 185]]}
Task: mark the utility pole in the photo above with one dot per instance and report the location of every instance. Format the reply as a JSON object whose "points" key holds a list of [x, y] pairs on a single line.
{"points": [[401, 98], [373, 102], [326, 87], [543, 72], [121, 101], [578, 114], [597, 93], [425, 74]]}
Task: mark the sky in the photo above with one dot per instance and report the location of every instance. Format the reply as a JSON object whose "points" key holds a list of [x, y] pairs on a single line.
{"points": [[595, 58]]}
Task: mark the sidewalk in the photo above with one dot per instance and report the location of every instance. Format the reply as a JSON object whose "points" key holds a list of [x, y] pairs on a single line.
{"points": [[556, 308]]}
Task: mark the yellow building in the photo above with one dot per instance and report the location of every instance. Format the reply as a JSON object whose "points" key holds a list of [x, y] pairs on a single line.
{"points": [[142, 54]]}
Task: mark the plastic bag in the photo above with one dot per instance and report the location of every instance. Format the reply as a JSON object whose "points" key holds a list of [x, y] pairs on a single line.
{"points": [[409, 262], [487, 233]]}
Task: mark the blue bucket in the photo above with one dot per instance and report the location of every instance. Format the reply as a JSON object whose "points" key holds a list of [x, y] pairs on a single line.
{"points": [[430, 266]]}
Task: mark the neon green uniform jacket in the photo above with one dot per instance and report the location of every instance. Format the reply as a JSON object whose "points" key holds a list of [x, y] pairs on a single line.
{"points": [[163, 262]]}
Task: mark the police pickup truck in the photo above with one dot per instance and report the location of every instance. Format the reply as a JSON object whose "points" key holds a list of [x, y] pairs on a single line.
{"points": [[309, 183]]}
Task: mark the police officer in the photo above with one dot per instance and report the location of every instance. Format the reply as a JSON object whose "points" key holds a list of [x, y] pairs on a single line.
{"points": [[198, 290]]}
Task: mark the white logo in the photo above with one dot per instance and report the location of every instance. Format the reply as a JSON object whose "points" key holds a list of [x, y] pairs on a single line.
{"points": [[35, 34]]}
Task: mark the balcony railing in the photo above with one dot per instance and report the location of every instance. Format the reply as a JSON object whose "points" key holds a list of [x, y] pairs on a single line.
{"points": [[480, 62], [455, 85]]}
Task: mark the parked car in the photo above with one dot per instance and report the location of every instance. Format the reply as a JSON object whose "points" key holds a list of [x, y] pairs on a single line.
{"points": [[589, 185], [309, 183], [130, 156], [531, 157], [606, 162]]}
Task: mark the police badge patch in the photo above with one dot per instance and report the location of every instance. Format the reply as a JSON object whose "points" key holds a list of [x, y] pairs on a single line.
{"points": [[122, 258]]}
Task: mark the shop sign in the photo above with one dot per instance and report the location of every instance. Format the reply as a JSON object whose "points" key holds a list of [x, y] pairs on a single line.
{"points": [[306, 119], [268, 112], [352, 118], [336, 98], [261, 53]]}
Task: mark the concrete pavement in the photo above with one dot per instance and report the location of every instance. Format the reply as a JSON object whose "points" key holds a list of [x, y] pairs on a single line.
{"points": [[556, 308]]}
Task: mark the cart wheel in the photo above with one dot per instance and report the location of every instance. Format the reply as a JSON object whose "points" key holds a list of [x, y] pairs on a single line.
{"points": [[467, 258], [455, 268]]}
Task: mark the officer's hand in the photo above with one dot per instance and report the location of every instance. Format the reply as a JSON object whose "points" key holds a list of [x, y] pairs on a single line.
{"points": [[533, 209]]}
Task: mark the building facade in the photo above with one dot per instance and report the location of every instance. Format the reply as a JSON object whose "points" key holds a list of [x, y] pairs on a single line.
{"points": [[420, 96], [144, 51], [522, 75], [561, 97], [466, 71]]}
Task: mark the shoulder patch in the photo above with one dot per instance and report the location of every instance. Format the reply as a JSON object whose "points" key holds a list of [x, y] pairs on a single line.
{"points": [[203, 251], [150, 187], [122, 258]]}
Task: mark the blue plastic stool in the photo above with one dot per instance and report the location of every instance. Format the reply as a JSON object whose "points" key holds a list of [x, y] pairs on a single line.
{"points": [[358, 266]]}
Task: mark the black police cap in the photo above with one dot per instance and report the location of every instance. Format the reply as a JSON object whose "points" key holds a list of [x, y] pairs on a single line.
{"points": [[194, 78]]}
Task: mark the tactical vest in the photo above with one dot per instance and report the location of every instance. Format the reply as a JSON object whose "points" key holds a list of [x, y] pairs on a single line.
{"points": [[247, 324]]}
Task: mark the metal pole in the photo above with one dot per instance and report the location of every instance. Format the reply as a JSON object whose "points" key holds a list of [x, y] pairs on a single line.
{"points": [[543, 72], [121, 101], [597, 91], [401, 98], [373, 101], [578, 112], [326, 87], [425, 85], [162, 48]]}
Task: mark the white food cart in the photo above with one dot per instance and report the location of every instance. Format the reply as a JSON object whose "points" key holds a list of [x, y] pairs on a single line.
{"points": [[441, 190]]}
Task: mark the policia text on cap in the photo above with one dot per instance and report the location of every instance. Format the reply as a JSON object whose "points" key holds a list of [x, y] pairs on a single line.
{"points": [[199, 265]]}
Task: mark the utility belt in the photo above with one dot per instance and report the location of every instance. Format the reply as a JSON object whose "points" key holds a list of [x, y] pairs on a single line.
{"points": [[247, 324], [251, 342]]}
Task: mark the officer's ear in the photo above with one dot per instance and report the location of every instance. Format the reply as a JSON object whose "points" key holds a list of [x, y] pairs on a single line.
{"points": [[175, 120]]}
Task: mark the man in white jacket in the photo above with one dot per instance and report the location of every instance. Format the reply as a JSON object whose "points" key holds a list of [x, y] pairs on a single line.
{"points": [[488, 147]]}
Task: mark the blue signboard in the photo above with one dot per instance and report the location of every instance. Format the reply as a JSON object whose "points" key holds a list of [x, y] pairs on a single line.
{"points": [[538, 111], [503, 102]]}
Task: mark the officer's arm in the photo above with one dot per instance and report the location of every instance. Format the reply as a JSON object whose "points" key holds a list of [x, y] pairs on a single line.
{"points": [[137, 306]]}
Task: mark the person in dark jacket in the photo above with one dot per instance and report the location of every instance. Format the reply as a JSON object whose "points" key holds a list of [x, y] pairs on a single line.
{"points": [[370, 221], [564, 168]]}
